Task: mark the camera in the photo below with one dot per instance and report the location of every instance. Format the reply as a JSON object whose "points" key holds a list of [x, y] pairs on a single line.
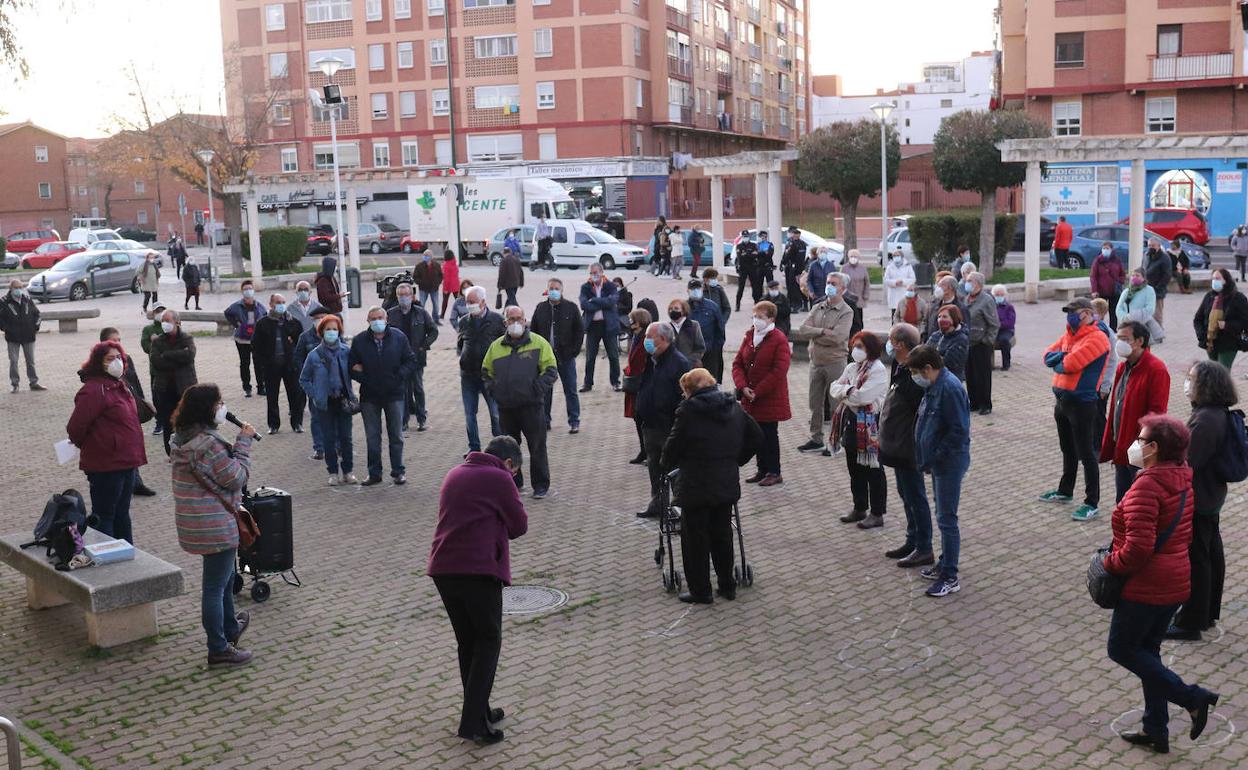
{"points": [[387, 287]]}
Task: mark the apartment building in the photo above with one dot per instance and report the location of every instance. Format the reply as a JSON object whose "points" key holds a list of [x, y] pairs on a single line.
{"points": [[34, 188], [605, 95], [1132, 67]]}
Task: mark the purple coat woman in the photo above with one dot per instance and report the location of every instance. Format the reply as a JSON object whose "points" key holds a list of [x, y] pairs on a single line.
{"points": [[1006, 315]]}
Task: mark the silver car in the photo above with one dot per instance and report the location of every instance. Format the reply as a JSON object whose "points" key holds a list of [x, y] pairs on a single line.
{"points": [[129, 246], [87, 274]]}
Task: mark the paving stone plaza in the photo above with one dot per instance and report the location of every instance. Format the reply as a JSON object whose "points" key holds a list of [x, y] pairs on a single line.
{"points": [[834, 658]]}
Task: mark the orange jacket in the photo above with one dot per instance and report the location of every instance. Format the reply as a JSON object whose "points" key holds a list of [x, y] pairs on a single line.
{"points": [[1062, 235], [1078, 363]]}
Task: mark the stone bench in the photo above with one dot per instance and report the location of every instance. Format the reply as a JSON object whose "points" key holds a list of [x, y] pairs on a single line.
{"points": [[67, 320], [224, 329], [1066, 289], [118, 600]]}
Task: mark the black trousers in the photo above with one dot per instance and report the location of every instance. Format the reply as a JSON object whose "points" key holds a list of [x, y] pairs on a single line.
{"points": [[713, 361], [1204, 607], [529, 422], [275, 376], [741, 281], [867, 485], [543, 250], [474, 603], [641, 438], [1075, 424], [769, 453], [245, 358], [706, 531], [979, 375], [165, 400], [756, 284], [653, 440]]}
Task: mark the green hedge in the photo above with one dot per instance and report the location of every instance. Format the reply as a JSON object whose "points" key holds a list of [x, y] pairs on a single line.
{"points": [[936, 237], [280, 247], [3, 244]]}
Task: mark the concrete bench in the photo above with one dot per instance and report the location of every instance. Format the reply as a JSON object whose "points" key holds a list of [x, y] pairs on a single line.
{"points": [[118, 600], [1066, 289], [209, 316], [67, 320]]}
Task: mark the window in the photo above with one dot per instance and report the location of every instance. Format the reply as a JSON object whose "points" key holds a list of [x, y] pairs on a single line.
{"points": [[1159, 115], [560, 235], [317, 11], [486, 3], [348, 155], [45, 190], [441, 101], [407, 104], [377, 56], [402, 9], [141, 216], [345, 55], [278, 66], [437, 51], [41, 153], [489, 147], [494, 45], [82, 191], [279, 112], [1169, 39], [139, 187], [437, 7], [637, 41], [946, 104], [641, 93], [543, 42], [493, 97], [381, 155], [442, 152], [1069, 50], [380, 107], [372, 10], [274, 17], [411, 154], [546, 95], [405, 56], [547, 147], [290, 160], [1067, 118], [541, 2]]}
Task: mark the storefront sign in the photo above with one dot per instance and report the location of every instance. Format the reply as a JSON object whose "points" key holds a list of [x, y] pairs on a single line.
{"points": [[1124, 179], [1068, 191], [1230, 182], [605, 169]]}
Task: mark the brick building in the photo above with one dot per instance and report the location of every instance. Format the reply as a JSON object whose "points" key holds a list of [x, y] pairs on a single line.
{"points": [[34, 190]]}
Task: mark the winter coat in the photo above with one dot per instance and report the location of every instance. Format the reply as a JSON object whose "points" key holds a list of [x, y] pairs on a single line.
{"points": [[386, 371], [191, 276], [1148, 392], [149, 334], [239, 313], [510, 273], [1006, 317], [476, 334], [720, 297], [897, 419], [1063, 234], [327, 289], [1078, 362], [623, 303], [1158, 270], [954, 347], [479, 513], [690, 341], [418, 326], [1144, 514], [932, 324], [872, 393], [206, 470], [920, 307], [696, 242], [660, 392], [981, 320], [428, 275], [1111, 360], [826, 328], [326, 374], [19, 319], [1208, 425], [1239, 244], [859, 281], [1145, 301], [105, 426], [306, 343], [559, 323], [303, 314], [173, 362], [942, 430], [149, 276], [269, 330], [793, 261], [817, 277], [677, 244], [604, 301], [710, 440], [519, 371], [450, 276], [896, 279], [784, 312], [764, 369], [1234, 313], [1108, 277], [638, 359], [710, 321]]}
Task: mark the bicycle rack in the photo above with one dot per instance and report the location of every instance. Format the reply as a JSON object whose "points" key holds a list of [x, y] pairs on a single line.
{"points": [[13, 744]]}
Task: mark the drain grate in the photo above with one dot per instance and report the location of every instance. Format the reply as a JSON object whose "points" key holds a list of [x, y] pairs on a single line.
{"points": [[530, 600]]}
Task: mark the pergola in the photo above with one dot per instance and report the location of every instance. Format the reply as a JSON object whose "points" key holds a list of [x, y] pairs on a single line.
{"points": [[765, 166], [1107, 149]]}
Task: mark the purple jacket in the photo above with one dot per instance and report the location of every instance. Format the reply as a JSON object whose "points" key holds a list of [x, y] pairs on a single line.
{"points": [[478, 513], [1005, 314]]}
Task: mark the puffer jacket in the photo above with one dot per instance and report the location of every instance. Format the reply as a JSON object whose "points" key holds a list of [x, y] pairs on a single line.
{"points": [[476, 334], [954, 347], [710, 440], [1145, 512], [105, 426], [206, 470], [1078, 363], [765, 370], [519, 371]]}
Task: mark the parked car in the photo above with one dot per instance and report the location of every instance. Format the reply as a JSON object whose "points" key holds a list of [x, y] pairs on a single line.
{"points": [[88, 236], [495, 247], [577, 243], [706, 257], [320, 240], [133, 247], [1048, 229], [1187, 225], [49, 254], [81, 275], [29, 240], [1087, 244], [379, 237], [11, 261], [899, 238], [410, 246], [812, 241], [137, 234]]}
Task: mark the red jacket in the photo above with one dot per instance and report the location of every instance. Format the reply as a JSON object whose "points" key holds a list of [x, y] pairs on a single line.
{"points": [[105, 426], [1148, 392], [1150, 505], [1062, 235], [638, 360], [766, 371], [479, 513]]}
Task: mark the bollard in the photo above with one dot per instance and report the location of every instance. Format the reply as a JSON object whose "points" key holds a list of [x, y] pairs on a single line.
{"points": [[13, 745]]}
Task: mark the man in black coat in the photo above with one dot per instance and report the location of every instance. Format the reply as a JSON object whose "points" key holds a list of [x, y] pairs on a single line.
{"points": [[382, 362], [897, 420], [560, 323], [19, 319], [793, 262], [711, 438], [421, 330], [657, 399], [784, 311], [477, 331], [273, 344], [746, 264]]}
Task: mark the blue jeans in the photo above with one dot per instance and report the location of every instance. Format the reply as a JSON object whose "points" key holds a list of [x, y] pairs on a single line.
{"points": [[318, 436], [567, 378], [472, 388], [432, 298], [947, 492], [1124, 476], [216, 604], [110, 502], [1135, 634], [372, 413], [336, 437], [913, 492], [414, 401]]}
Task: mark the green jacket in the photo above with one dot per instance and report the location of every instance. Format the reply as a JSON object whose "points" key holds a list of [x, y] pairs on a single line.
{"points": [[151, 330], [519, 372]]}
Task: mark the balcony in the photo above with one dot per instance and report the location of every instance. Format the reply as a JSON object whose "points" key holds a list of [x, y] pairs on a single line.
{"points": [[677, 19], [724, 121], [756, 51], [681, 67], [1201, 66], [754, 13], [785, 132], [784, 98], [756, 126], [756, 89], [724, 81], [786, 63], [723, 37], [781, 29], [680, 113]]}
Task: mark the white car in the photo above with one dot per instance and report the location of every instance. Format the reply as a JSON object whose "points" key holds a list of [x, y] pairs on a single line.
{"points": [[899, 238], [577, 243], [88, 236], [812, 240], [128, 246]]}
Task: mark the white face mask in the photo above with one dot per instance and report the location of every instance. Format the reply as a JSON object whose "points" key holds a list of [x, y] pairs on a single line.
{"points": [[1135, 454], [1187, 389], [477, 309], [1123, 348], [853, 260], [219, 417], [938, 293], [761, 324], [858, 354], [515, 329], [116, 368]]}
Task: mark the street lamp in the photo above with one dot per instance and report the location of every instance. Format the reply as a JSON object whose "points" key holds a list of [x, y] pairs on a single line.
{"points": [[882, 110], [329, 67], [205, 157]]}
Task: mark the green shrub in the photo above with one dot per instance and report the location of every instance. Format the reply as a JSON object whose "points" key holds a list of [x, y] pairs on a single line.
{"points": [[936, 237], [281, 248], [3, 244]]}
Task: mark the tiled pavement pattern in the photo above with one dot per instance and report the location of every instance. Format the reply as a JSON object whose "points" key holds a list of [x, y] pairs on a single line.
{"points": [[833, 659]]}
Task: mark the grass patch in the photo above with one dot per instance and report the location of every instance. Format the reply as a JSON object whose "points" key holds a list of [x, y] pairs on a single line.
{"points": [[204, 333], [44, 760], [1015, 274]]}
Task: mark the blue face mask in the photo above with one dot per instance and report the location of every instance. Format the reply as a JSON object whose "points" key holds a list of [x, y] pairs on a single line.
{"points": [[1072, 320], [303, 296], [649, 346], [920, 380], [714, 282], [405, 302], [695, 294], [830, 290], [1000, 298], [1107, 252], [554, 294], [888, 348], [378, 325], [1217, 284], [279, 308], [428, 258], [249, 293], [331, 336], [968, 286]]}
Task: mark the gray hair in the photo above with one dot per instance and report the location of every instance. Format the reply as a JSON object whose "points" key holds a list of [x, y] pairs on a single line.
{"points": [[1212, 385], [1001, 286], [474, 291], [177, 319], [969, 267], [302, 286], [977, 279], [404, 285], [666, 330], [948, 283], [841, 279], [906, 334], [505, 448], [507, 310], [375, 309]]}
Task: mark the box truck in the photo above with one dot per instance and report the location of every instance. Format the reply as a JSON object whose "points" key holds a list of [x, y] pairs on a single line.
{"points": [[486, 206]]}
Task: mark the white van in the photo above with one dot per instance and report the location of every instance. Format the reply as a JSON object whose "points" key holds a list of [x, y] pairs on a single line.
{"points": [[87, 235], [577, 243]]}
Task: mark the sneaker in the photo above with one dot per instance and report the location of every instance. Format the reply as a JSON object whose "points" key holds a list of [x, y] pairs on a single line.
{"points": [[15, 389], [811, 446], [349, 478], [539, 494], [1055, 496], [333, 480], [930, 573], [298, 429], [243, 619], [400, 480], [272, 431], [944, 587], [422, 427], [246, 394], [231, 656], [317, 455], [1085, 512], [574, 429], [156, 430]]}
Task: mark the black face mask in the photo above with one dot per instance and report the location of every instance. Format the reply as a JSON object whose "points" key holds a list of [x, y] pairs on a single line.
{"points": [[675, 315]]}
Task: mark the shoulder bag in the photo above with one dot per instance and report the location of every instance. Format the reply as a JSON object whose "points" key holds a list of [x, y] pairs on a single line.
{"points": [[1104, 587], [248, 530]]}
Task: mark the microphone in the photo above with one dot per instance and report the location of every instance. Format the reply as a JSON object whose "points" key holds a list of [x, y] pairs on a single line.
{"points": [[229, 416]]}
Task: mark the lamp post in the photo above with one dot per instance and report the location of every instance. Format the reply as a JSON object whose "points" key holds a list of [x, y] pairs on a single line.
{"points": [[333, 97], [205, 157], [882, 110]]}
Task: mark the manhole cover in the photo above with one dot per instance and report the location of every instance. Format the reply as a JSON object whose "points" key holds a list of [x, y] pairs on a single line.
{"points": [[530, 600]]}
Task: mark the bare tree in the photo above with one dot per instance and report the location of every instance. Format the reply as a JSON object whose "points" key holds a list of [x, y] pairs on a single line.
{"points": [[10, 50]]}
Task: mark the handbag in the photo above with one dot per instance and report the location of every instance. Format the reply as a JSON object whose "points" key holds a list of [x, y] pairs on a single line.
{"points": [[631, 383], [145, 409], [498, 300], [1104, 587]]}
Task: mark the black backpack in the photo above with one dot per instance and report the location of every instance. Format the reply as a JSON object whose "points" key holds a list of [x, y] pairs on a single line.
{"points": [[1231, 463], [61, 527]]}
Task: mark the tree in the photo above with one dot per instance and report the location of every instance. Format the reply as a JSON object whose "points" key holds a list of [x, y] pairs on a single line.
{"points": [[966, 158], [118, 161], [842, 159], [10, 51]]}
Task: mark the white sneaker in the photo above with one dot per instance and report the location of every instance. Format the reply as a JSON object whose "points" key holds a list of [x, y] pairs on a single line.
{"points": [[333, 481], [349, 478]]}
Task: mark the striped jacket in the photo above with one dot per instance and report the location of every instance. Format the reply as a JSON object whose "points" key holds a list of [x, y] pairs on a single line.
{"points": [[204, 457]]}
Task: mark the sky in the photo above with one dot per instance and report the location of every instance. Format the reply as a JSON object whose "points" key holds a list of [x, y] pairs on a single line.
{"points": [[79, 52]]}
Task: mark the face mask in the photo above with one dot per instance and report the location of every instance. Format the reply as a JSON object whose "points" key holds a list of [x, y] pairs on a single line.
{"points": [[1072, 320], [1137, 280], [962, 256], [116, 367], [897, 261], [555, 295], [909, 293], [675, 315], [378, 325], [515, 329], [830, 290], [17, 293], [1217, 284], [761, 324], [773, 293], [920, 380], [303, 296], [595, 277], [714, 283], [331, 336], [405, 302], [279, 308], [968, 287], [823, 259], [853, 260], [249, 293], [1106, 252], [477, 309], [858, 354], [1135, 454], [1123, 349], [695, 294], [1187, 389], [649, 346], [889, 349], [945, 324], [1000, 298], [219, 418], [167, 326], [428, 258], [938, 293]]}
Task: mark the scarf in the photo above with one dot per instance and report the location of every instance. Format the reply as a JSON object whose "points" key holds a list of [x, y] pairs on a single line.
{"points": [[759, 336], [866, 425], [1132, 290], [1216, 314], [910, 311]]}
